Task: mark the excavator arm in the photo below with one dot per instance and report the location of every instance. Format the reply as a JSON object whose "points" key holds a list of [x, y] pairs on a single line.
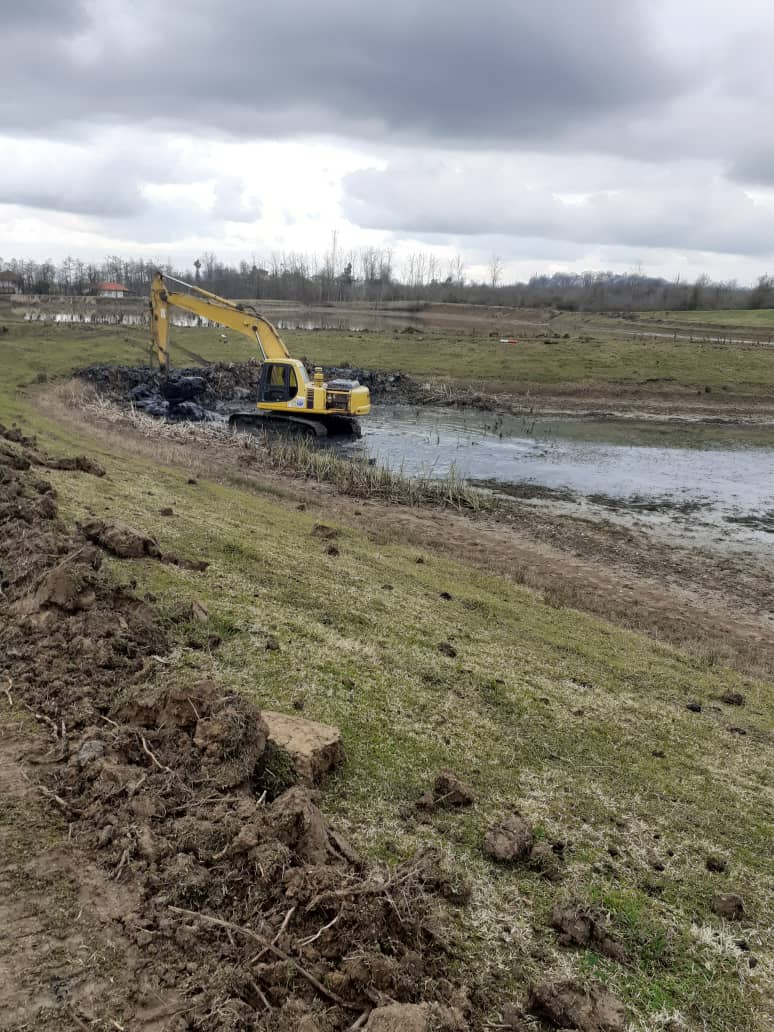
{"points": [[214, 308]]}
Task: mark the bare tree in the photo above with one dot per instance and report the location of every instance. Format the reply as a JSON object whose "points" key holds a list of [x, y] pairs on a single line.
{"points": [[495, 271], [457, 270]]}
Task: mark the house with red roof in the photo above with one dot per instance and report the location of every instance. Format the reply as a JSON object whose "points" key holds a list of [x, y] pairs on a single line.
{"points": [[111, 290]]}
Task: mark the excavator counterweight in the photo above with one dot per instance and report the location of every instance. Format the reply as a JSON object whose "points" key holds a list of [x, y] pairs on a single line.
{"points": [[288, 398]]}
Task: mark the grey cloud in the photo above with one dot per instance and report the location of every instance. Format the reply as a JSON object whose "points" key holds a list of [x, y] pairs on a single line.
{"points": [[498, 72], [98, 194], [690, 211], [106, 180], [756, 166], [50, 15]]}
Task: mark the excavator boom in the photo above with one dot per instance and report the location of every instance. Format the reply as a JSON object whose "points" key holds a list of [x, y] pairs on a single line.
{"points": [[287, 396], [215, 309]]}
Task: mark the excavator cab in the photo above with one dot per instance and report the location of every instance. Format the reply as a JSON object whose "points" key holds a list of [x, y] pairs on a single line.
{"points": [[279, 382]]}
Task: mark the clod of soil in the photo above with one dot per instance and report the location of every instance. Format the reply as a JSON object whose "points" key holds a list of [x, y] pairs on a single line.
{"points": [[510, 841], [120, 540], [716, 864], [448, 793], [26, 455], [399, 1017], [728, 905], [546, 861], [66, 587], [567, 1005], [447, 649], [79, 462], [314, 749], [322, 530], [733, 698], [585, 926]]}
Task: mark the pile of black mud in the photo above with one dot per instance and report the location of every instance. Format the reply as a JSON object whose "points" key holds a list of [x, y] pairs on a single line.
{"points": [[194, 394], [250, 909], [214, 391]]}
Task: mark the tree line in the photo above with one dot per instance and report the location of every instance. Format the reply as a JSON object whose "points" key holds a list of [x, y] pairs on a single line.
{"points": [[371, 274]]}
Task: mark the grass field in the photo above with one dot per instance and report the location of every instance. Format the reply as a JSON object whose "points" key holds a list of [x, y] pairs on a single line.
{"points": [[580, 725], [602, 363], [754, 319]]}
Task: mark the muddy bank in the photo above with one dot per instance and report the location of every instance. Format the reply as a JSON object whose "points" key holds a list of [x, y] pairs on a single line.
{"points": [[218, 893], [211, 391], [236, 382]]}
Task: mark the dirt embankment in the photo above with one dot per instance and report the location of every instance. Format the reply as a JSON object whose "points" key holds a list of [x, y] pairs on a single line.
{"points": [[203, 889], [240, 908], [714, 603]]}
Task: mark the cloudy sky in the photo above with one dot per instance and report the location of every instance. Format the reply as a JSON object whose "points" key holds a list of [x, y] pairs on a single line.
{"points": [[557, 134]]}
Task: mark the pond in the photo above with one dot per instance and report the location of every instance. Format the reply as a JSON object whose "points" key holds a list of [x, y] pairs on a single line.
{"points": [[719, 476]]}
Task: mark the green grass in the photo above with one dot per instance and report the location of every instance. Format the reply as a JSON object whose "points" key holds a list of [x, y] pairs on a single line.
{"points": [[602, 362], [754, 319], [543, 709]]}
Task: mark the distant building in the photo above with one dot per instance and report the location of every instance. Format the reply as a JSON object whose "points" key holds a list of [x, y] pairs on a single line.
{"points": [[111, 290], [10, 283]]}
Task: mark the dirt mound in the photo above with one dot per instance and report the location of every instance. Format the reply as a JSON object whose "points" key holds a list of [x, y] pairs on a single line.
{"points": [[585, 926], [186, 394], [568, 1005], [448, 793], [255, 914], [509, 841], [22, 453]]}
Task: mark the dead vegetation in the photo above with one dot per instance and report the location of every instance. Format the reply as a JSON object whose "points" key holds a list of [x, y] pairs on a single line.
{"points": [[352, 476]]}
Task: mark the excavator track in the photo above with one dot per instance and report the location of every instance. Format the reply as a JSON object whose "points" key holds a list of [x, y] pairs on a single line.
{"points": [[295, 426]]}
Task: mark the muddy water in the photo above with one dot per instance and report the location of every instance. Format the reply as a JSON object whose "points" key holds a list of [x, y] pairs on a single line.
{"points": [[719, 478]]}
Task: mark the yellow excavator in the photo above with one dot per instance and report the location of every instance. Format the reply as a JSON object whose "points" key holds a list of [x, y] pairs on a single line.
{"points": [[288, 399]]}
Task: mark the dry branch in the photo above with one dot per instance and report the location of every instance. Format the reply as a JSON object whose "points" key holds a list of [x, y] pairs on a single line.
{"points": [[280, 954]]}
